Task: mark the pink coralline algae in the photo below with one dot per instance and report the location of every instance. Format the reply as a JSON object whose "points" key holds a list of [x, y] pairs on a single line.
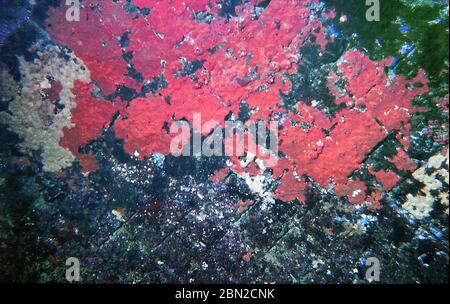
{"points": [[402, 161], [387, 178], [242, 59], [90, 116]]}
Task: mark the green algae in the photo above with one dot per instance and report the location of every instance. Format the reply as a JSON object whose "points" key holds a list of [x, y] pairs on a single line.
{"points": [[416, 34], [426, 33]]}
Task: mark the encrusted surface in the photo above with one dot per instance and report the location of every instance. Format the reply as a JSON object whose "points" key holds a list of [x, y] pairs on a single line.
{"points": [[362, 168]]}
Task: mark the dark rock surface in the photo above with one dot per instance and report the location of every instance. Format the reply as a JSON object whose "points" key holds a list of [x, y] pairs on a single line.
{"points": [[162, 220]]}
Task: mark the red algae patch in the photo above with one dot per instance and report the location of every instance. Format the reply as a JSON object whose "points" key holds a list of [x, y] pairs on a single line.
{"points": [[237, 59], [89, 116]]}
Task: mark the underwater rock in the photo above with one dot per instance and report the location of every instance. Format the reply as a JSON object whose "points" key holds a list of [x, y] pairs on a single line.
{"points": [[361, 152]]}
